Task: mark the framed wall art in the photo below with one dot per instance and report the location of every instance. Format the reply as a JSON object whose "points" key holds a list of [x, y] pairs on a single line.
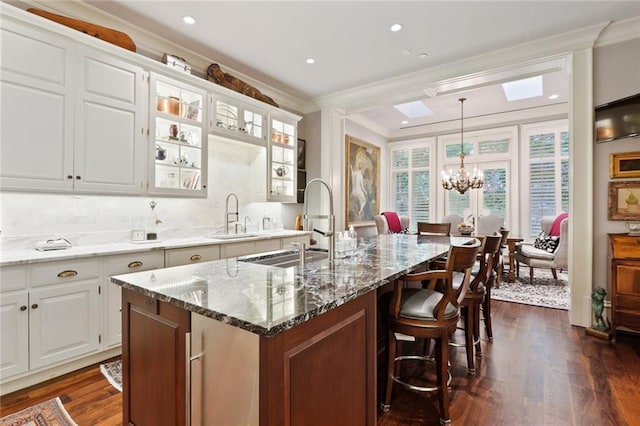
{"points": [[624, 165], [362, 175], [624, 200]]}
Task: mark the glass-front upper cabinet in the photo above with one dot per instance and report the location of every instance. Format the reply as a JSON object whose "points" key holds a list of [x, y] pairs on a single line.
{"points": [[179, 159], [236, 120], [282, 161]]}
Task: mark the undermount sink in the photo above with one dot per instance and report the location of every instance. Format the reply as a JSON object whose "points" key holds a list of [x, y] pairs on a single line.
{"points": [[285, 259]]}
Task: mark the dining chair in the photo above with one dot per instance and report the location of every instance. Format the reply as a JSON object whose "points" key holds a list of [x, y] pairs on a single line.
{"points": [[454, 220], [382, 226], [433, 228], [489, 224], [429, 314]]}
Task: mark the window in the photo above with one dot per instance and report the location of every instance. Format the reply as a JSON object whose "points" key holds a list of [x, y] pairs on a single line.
{"points": [[545, 172], [411, 189], [492, 151]]}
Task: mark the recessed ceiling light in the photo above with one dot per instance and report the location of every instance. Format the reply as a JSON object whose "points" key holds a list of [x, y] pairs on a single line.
{"points": [[311, 60], [189, 20], [554, 97], [405, 52], [523, 89], [405, 122], [396, 27], [422, 56]]}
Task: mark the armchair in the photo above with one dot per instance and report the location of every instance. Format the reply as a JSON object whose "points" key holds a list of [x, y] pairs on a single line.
{"points": [[539, 258], [383, 227]]}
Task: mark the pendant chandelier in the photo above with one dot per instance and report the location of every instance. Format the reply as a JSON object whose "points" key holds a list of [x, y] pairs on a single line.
{"points": [[460, 179]]}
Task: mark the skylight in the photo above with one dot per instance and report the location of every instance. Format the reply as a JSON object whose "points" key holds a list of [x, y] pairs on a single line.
{"points": [[523, 89], [414, 109]]}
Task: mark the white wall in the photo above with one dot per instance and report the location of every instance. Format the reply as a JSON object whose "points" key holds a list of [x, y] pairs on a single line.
{"points": [[616, 75]]}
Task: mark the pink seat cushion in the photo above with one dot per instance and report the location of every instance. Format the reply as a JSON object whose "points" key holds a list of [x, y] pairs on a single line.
{"points": [[393, 221], [555, 228]]}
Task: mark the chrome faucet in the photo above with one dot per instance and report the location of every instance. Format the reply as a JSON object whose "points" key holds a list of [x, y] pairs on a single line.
{"points": [[228, 214], [330, 233]]}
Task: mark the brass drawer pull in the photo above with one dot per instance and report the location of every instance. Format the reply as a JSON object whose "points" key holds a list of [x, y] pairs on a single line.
{"points": [[67, 274], [195, 258], [135, 264]]}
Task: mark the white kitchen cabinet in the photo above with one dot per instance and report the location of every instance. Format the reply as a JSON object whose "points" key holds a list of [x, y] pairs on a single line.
{"points": [[189, 255], [14, 321], [243, 248], [235, 120], [64, 310], [111, 115], [64, 322], [282, 161], [14, 337], [178, 158], [74, 124], [37, 81], [116, 265]]}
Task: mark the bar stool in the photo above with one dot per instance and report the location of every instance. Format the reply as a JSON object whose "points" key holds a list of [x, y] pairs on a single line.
{"points": [[476, 296], [428, 314]]}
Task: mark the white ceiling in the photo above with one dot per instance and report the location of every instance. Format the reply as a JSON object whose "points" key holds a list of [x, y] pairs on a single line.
{"points": [[353, 46]]}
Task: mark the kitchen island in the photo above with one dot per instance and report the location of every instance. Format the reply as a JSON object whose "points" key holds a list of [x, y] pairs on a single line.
{"points": [[237, 342]]}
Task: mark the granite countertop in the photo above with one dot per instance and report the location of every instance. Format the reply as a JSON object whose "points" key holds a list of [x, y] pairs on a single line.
{"points": [[268, 300], [31, 255]]}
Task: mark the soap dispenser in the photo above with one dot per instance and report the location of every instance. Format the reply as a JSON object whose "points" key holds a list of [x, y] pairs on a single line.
{"points": [[153, 222]]}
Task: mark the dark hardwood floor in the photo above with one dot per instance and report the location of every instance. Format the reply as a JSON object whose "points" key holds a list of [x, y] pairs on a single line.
{"points": [[539, 370]]}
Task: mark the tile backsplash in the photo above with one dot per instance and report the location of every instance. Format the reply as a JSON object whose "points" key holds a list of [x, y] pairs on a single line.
{"points": [[95, 219]]}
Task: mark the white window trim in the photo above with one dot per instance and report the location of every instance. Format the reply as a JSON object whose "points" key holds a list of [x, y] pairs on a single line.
{"points": [[430, 143]]}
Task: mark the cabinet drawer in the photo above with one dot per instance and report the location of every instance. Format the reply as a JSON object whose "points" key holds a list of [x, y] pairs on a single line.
{"points": [[629, 319], [267, 245], [67, 271], [625, 247], [13, 278], [628, 301], [627, 276], [189, 255], [134, 262], [237, 249]]}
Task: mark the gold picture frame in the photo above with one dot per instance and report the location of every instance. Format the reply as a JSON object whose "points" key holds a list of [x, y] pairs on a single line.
{"points": [[362, 176], [624, 165], [624, 200]]}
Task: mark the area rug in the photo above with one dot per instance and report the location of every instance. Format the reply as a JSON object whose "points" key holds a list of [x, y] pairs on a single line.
{"points": [[113, 372], [48, 413], [545, 291]]}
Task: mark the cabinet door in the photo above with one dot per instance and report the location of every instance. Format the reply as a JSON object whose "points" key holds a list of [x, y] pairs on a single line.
{"points": [[63, 322], [123, 264], [36, 136], [235, 120], [14, 339], [109, 139], [282, 162], [178, 159]]}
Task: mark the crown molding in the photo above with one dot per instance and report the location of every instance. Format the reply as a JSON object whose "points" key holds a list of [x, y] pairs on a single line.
{"points": [[152, 46], [620, 31]]}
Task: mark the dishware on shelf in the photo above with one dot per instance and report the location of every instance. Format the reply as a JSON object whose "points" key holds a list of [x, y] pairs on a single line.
{"points": [[281, 171]]}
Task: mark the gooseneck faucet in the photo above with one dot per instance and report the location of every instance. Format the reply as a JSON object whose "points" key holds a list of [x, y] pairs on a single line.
{"points": [[228, 214], [330, 233]]}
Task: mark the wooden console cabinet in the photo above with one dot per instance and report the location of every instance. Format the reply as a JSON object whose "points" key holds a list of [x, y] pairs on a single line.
{"points": [[624, 257]]}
